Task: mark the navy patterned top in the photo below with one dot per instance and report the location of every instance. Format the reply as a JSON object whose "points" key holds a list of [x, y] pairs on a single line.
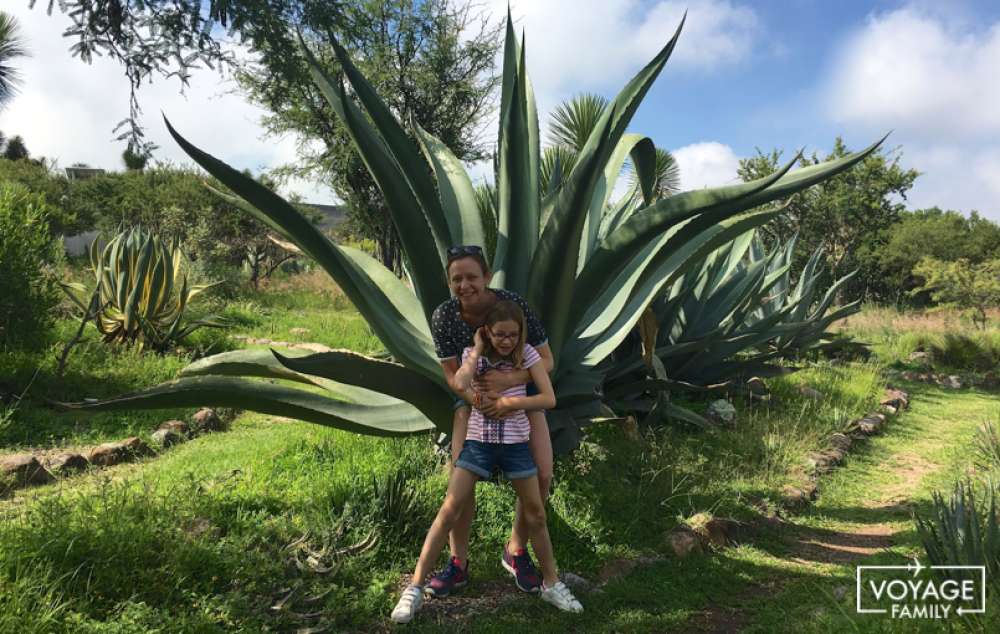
{"points": [[452, 335]]}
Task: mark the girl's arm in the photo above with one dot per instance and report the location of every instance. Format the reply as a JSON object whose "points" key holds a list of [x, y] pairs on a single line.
{"points": [[545, 399], [462, 381]]}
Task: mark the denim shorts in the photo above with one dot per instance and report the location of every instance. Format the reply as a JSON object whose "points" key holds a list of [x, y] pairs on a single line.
{"points": [[481, 458]]}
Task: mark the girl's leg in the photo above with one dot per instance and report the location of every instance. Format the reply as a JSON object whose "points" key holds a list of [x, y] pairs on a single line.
{"points": [[541, 450], [458, 539], [460, 489], [533, 512]]}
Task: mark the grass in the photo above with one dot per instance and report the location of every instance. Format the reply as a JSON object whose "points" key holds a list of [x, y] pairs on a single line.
{"points": [[205, 537]]}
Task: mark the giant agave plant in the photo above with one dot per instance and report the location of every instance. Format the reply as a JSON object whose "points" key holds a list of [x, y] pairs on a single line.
{"points": [[589, 280]]}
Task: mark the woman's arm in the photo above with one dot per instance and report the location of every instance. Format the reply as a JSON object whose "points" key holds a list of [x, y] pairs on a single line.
{"points": [[545, 399]]}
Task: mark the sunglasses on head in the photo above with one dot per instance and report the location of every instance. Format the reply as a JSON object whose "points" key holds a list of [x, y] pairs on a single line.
{"points": [[463, 250]]}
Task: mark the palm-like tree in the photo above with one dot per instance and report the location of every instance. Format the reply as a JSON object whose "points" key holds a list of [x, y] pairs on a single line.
{"points": [[11, 47]]}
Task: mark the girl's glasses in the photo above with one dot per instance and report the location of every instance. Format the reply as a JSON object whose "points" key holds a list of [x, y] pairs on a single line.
{"points": [[505, 336]]}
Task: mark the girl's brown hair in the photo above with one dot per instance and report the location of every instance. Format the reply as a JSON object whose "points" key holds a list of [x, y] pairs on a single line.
{"points": [[506, 310]]}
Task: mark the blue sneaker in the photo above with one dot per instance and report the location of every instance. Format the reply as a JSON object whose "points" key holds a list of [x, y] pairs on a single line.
{"points": [[526, 576], [452, 578]]}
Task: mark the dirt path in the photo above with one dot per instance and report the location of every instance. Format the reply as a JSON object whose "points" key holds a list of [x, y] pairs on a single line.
{"points": [[863, 514]]}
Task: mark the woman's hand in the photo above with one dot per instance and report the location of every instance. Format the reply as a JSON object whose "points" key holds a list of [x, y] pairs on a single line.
{"points": [[493, 381], [479, 339]]}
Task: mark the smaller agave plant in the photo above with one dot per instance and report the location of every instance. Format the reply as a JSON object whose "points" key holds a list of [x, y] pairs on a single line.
{"points": [[141, 291], [804, 320]]}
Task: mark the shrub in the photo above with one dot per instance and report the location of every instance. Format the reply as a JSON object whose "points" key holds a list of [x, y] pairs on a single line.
{"points": [[28, 288]]}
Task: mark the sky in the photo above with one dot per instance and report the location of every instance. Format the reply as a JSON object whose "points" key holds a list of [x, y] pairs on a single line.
{"points": [[744, 75]]}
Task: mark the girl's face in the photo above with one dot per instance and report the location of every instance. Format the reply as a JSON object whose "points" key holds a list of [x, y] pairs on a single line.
{"points": [[504, 336], [467, 281]]}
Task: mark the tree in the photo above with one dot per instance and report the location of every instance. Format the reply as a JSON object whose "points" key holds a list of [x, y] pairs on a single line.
{"points": [[933, 233], [971, 286], [11, 47], [134, 161], [849, 216], [434, 61], [16, 150]]}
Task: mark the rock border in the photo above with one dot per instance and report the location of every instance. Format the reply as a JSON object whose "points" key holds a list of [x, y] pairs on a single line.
{"points": [[23, 470], [838, 445]]}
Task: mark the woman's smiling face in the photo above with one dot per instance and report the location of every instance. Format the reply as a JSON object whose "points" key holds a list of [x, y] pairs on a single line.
{"points": [[467, 280]]}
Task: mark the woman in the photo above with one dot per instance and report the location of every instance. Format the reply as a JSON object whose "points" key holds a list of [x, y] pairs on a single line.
{"points": [[453, 325]]}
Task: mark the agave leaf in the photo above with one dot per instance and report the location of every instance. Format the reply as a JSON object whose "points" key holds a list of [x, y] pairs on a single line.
{"points": [[391, 379], [410, 163], [387, 305], [398, 419], [458, 197]]}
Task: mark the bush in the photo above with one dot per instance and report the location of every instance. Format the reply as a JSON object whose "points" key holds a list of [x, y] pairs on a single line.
{"points": [[28, 288], [979, 353]]}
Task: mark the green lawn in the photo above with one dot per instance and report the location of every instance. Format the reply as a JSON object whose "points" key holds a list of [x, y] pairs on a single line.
{"points": [[205, 537]]}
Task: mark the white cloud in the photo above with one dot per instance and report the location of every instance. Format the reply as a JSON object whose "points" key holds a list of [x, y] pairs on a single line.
{"points": [[66, 110], [706, 164], [933, 79], [919, 74]]}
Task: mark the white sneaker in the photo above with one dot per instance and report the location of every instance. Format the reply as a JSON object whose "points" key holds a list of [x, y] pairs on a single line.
{"points": [[561, 597], [409, 603]]}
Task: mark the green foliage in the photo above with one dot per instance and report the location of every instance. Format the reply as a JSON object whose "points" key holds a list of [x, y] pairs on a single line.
{"points": [[11, 47], [932, 233], [16, 150], [28, 253], [971, 286], [849, 216], [432, 62], [142, 291], [956, 350], [987, 446], [554, 248]]}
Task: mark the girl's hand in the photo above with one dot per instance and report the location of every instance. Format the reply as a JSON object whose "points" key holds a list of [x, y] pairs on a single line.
{"points": [[479, 339], [488, 405], [499, 407]]}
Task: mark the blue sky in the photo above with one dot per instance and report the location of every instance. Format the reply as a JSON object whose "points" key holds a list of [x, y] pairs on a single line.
{"points": [[745, 74]]}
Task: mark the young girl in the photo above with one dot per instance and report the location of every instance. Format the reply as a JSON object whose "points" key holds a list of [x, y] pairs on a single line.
{"points": [[496, 442]]}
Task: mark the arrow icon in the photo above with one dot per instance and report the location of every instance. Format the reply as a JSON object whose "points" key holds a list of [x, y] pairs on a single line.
{"points": [[915, 567]]}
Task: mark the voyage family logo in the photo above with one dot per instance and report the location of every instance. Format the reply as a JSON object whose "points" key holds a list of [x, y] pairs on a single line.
{"points": [[915, 591]]}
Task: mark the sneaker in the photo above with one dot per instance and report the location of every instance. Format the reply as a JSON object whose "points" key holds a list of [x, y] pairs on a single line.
{"points": [[561, 597], [452, 578], [409, 603], [520, 565]]}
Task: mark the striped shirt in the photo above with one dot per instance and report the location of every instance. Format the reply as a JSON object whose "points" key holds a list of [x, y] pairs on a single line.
{"points": [[512, 428]]}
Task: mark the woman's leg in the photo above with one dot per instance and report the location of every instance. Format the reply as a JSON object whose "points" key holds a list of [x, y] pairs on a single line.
{"points": [[533, 514], [461, 486], [541, 450], [458, 539]]}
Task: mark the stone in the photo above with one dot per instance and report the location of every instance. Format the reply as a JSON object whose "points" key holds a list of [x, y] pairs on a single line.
{"points": [[576, 582], [67, 463], [720, 531], [614, 568], [920, 358], [821, 462], [176, 426], [899, 398], [166, 438], [683, 541], [299, 331], [839, 441], [889, 410], [23, 470], [871, 424], [207, 420], [721, 412], [798, 495], [952, 382], [112, 453], [809, 392], [630, 428]]}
